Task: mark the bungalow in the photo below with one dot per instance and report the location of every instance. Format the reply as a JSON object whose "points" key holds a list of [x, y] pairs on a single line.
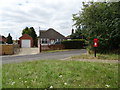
{"points": [[50, 36]]}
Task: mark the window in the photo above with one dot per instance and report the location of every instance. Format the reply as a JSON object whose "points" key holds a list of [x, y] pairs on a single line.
{"points": [[44, 41]]}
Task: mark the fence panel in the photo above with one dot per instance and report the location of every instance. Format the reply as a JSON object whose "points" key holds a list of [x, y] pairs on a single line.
{"points": [[9, 49]]}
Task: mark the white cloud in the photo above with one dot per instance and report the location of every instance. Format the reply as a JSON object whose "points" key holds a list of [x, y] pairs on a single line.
{"points": [[15, 15]]}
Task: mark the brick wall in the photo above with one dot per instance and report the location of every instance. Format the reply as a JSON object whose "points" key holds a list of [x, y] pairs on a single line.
{"points": [[56, 47], [52, 47]]}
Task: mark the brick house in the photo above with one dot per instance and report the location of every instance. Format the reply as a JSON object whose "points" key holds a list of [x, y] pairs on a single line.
{"points": [[2, 39], [50, 36], [26, 41]]}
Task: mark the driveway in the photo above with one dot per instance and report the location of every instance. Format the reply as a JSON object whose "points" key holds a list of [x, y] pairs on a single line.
{"points": [[42, 56], [27, 51]]}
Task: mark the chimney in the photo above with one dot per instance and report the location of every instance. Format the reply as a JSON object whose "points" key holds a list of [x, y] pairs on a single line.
{"points": [[72, 31]]}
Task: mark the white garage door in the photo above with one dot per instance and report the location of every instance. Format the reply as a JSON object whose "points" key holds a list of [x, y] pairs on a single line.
{"points": [[25, 43]]}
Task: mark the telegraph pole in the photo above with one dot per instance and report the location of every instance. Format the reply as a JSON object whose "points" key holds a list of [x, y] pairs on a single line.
{"points": [[39, 42]]}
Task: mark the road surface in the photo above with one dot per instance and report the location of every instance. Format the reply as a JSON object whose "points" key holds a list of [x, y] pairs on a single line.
{"points": [[42, 56]]}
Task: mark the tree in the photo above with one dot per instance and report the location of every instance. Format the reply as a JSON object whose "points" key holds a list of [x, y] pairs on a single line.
{"points": [[34, 36], [31, 31], [9, 39], [100, 20], [26, 31]]}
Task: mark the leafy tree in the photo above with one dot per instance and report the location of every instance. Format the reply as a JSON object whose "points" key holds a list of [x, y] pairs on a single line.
{"points": [[34, 36], [9, 39], [31, 31], [100, 20], [27, 31]]}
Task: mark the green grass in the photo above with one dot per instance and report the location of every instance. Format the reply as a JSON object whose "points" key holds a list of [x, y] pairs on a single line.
{"points": [[98, 56], [62, 50], [0, 75], [60, 74], [56, 50]]}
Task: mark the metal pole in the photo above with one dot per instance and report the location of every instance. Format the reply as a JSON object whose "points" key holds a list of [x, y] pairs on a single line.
{"points": [[95, 51], [40, 48], [40, 41]]}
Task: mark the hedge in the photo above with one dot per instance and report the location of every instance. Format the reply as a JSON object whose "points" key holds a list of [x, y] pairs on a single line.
{"points": [[74, 44]]}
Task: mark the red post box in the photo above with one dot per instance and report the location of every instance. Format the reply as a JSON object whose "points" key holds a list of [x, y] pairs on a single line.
{"points": [[95, 42]]}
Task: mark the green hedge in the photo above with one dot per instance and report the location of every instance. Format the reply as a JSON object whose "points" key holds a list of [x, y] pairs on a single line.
{"points": [[74, 43]]}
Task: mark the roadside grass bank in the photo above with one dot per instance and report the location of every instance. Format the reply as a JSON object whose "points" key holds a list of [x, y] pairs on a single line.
{"points": [[60, 74], [98, 56]]}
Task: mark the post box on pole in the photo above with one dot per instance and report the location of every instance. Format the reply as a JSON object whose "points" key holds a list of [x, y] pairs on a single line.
{"points": [[95, 44]]}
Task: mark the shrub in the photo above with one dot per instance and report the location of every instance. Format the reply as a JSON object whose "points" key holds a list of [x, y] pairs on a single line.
{"points": [[74, 44], [9, 39]]}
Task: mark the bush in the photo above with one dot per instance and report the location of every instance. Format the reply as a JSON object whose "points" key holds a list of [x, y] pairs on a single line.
{"points": [[74, 44]]}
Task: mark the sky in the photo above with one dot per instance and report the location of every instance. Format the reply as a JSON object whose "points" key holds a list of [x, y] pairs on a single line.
{"points": [[15, 15]]}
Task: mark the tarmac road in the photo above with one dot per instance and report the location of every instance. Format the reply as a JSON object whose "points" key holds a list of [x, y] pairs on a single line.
{"points": [[42, 56]]}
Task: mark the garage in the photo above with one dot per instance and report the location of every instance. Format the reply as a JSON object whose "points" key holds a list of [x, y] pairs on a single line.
{"points": [[25, 44], [26, 41]]}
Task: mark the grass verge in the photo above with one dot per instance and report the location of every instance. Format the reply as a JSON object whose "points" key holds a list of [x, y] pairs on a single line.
{"points": [[62, 50], [60, 74], [98, 56], [56, 50]]}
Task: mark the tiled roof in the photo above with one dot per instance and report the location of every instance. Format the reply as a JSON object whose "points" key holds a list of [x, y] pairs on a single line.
{"points": [[25, 36], [51, 33]]}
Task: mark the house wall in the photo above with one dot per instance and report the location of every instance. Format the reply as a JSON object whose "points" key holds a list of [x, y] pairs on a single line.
{"points": [[3, 39]]}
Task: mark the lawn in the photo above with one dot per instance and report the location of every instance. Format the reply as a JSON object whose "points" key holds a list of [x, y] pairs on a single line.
{"points": [[60, 74], [98, 56], [0, 75]]}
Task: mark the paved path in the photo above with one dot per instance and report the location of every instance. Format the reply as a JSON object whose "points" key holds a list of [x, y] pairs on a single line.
{"points": [[42, 56]]}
